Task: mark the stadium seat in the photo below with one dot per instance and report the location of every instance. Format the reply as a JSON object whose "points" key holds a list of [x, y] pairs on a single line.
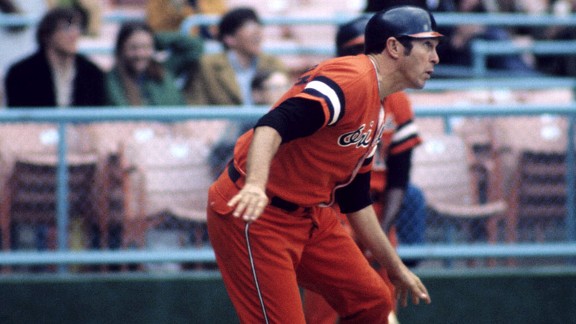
{"points": [[534, 154], [442, 170], [29, 182], [172, 176]]}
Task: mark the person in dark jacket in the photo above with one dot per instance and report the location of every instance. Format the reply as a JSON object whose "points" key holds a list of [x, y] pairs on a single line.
{"points": [[56, 75]]}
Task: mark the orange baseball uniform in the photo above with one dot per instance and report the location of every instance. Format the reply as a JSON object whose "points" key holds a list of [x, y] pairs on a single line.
{"points": [[299, 239], [399, 135]]}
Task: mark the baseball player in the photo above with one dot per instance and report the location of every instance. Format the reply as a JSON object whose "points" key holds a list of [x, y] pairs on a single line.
{"points": [[273, 214], [391, 167]]}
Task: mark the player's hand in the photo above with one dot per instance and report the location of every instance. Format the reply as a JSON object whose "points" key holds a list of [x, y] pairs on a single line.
{"points": [[408, 284], [250, 202]]}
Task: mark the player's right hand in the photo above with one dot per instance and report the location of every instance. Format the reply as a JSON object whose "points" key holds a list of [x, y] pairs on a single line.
{"points": [[250, 202], [408, 284]]}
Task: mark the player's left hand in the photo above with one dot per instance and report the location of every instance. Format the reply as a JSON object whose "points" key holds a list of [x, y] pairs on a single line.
{"points": [[250, 202], [408, 284]]}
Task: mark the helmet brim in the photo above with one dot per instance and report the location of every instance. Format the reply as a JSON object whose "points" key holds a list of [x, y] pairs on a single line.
{"points": [[430, 34]]}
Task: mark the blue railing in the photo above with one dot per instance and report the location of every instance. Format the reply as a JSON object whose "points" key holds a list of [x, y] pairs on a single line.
{"points": [[116, 16], [174, 114], [481, 49], [442, 19]]}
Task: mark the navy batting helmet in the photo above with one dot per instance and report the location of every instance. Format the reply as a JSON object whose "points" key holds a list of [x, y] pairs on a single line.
{"points": [[404, 21], [350, 37]]}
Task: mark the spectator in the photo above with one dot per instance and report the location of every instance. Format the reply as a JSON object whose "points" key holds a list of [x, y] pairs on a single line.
{"points": [[458, 48], [224, 78], [168, 15], [267, 86], [56, 75], [90, 10], [16, 41], [559, 65], [137, 79], [395, 201]]}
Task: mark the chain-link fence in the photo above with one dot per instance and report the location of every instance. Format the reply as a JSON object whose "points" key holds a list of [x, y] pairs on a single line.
{"points": [[142, 185]]}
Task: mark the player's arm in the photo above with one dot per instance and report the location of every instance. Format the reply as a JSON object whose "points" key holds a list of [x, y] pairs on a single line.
{"points": [[367, 229], [354, 201], [398, 173], [292, 119], [252, 199]]}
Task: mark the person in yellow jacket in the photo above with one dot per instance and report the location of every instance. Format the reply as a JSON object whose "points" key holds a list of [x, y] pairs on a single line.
{"points": [[168, 15]]}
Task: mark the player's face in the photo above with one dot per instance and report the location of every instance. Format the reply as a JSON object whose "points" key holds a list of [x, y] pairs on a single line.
{"points": [[137, 51], [419, 65]]}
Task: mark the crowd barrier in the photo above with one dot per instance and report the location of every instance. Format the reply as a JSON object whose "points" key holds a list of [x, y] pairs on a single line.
{"points": [[481, 49], [64, 118], [22, 20], [442, 19]]}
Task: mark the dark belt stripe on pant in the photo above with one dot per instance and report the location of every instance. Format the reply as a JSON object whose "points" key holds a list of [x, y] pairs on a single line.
{"points": [[275, 201]]}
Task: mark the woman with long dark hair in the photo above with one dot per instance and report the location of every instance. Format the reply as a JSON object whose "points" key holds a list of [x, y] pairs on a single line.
{"points": [[137, 78]]}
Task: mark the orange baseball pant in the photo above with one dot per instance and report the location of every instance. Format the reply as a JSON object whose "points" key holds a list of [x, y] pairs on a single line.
{"points": [[264, 262], [316, 309]]}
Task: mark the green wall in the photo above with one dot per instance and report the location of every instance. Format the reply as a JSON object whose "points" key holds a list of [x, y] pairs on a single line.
{"points": [[120, 298], [464, 296], [522, 296]]}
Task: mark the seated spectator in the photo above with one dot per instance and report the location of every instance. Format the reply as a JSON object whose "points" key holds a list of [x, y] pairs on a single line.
{"points": [[224, 78], [56, 75], [137, 79], [91, 11], [16, 41], [558, 65], [168, 15], [267, 87], [457, 50]]}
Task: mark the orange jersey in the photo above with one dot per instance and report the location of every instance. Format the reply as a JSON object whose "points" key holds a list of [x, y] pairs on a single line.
{"points": [[307, 170], [400, 133]]}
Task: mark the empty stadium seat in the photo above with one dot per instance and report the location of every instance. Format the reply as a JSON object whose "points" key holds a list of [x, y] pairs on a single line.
{"points": [[442, 170]]}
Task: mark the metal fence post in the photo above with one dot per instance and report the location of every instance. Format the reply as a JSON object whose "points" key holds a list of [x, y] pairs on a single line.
{"points": [[570, 183], [62, 192]]}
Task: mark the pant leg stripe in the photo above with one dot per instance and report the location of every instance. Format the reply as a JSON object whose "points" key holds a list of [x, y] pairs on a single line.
{"points": [[246, 229]]}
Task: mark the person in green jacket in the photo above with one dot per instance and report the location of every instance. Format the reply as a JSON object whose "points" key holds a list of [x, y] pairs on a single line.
{"points": [[137, 78]]}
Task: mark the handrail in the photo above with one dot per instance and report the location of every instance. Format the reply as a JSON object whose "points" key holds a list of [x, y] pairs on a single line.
{"points": [[512, 83], [116, 16], [442, 19], [179, 113], [206, 254], [483, 48]]}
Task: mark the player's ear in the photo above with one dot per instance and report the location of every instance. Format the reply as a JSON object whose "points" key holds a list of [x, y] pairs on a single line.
{"points": [[393, 47]]}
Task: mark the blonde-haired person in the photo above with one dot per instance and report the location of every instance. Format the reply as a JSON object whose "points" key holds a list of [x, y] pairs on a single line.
{"points": [[168, 15]]}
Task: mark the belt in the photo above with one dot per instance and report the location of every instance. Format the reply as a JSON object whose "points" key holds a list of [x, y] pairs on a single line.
{"points": [[275, 201]]}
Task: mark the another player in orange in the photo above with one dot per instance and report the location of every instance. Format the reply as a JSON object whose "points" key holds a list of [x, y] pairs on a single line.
{"points": [[390, 173], [273, 215]]}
